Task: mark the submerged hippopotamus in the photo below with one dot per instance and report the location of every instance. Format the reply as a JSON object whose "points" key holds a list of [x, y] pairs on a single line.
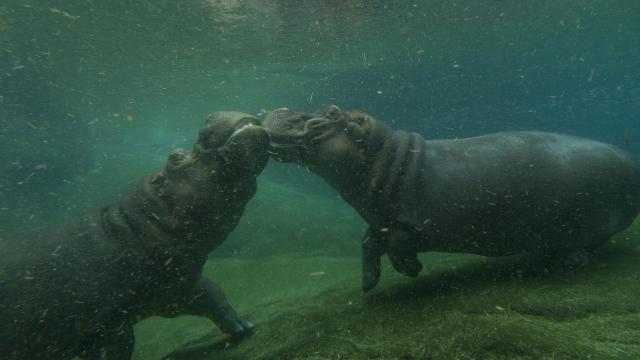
{"points": [[494, 195], [77, 289]]}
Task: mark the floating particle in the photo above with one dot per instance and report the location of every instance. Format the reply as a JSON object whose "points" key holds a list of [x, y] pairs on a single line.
{"points": [[626, 138], [591, 74], [64, 14], [130, 118]]}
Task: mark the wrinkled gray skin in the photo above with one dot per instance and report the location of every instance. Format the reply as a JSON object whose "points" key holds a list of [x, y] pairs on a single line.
{"points": [[494, 195], [77, 289]]}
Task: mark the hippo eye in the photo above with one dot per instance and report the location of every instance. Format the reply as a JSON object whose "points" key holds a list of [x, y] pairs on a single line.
{"points": [[333, 112]]}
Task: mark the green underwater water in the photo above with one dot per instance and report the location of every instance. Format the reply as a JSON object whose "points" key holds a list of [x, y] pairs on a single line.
{"points": [[101, 91]]}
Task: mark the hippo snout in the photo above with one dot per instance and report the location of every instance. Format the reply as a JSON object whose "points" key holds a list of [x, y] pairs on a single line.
{"points": [[287, 126], [236, 139], [247, 147], [289, 133]]}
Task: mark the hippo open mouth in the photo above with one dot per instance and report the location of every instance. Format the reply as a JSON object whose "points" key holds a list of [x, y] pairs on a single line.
{"points": [[238, 139], [246, 144]]}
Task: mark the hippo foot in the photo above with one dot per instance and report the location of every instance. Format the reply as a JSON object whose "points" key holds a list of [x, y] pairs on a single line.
{"points": [[244, 330], [239, 329], [236, 337]]}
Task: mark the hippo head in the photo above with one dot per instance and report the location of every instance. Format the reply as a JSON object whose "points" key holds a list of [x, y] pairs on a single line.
{"points": [[212, 184], [332, 141]]}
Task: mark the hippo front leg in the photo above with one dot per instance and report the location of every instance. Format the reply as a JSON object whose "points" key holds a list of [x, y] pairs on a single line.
{"points": [[403, 252], [210, 301], [373, 244], [398, 243]]}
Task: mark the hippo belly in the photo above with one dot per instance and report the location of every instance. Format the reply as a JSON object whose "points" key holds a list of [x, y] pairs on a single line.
{"points": [[508, 193], [63, 284]]}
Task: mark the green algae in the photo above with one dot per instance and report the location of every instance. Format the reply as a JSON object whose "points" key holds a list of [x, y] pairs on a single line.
{"points": [[461, 307]]}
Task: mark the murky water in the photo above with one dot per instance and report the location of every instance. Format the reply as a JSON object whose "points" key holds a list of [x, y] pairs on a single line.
{"points": [[95, 94]]}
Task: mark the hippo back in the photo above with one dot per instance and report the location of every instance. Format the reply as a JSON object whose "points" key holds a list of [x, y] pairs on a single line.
{"points": [[506, 193]]}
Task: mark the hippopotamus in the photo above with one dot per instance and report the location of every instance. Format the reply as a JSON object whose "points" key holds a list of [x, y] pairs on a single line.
{"points": [[76, 289], [500, 194]]}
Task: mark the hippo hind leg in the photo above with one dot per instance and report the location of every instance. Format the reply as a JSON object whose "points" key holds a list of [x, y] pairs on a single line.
{"points": [[110, 343]]}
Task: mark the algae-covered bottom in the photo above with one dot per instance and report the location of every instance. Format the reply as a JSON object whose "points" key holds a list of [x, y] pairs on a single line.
{"points": [[461, 307]]}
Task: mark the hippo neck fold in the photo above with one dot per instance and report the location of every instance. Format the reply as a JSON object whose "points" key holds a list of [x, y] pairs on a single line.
{"points": [[396, 177], [146, 222], [389, 178]]}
